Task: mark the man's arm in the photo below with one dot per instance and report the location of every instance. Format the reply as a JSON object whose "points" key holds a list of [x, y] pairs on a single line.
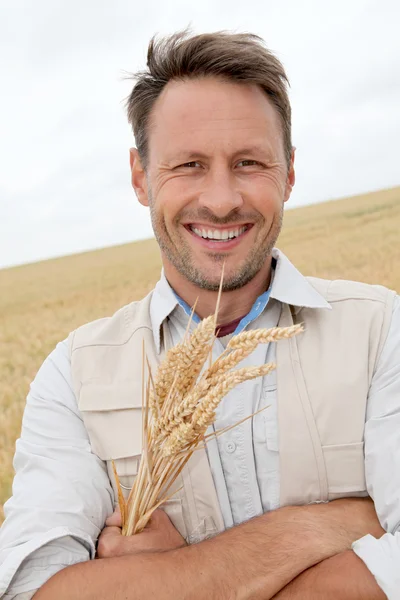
{"points": [[62, 494], [252, 561], [343, 576]]}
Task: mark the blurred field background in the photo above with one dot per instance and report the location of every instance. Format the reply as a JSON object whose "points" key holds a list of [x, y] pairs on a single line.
{"points": [[353, 238]]}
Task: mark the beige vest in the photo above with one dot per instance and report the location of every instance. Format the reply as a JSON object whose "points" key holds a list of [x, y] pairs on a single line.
{"points": [[323, 378]]}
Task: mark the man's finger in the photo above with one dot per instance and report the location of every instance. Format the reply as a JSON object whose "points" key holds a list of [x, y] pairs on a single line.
{"points": [[158, 519], [110, 542], [114, 520], [111, 531]]}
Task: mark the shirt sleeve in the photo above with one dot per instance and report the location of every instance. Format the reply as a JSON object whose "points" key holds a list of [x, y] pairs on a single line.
{"points": [[382, 464], [62, 494]]}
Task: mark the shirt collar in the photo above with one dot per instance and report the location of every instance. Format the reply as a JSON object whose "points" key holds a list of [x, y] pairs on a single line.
{"points": [[291, 287], [163, 302], [288, 286]]}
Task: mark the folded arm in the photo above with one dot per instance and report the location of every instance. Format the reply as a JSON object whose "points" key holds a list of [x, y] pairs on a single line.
{"points": [[252, 561]]}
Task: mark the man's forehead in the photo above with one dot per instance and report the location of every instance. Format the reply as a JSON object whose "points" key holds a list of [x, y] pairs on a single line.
{"points": [[211, 102], [196, 115]]}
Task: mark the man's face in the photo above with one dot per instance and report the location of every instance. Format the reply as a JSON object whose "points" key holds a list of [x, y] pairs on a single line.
{"points": [[216, 180]]}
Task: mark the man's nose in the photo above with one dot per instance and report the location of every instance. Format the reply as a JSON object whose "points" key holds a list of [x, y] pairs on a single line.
{"points": [[221, 196]]}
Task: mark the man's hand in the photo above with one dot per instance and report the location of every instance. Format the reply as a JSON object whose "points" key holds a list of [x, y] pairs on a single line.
{"points": [[159, 536]]}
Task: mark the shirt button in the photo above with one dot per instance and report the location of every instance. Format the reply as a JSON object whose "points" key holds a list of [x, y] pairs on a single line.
{"points": [[230, 447]]}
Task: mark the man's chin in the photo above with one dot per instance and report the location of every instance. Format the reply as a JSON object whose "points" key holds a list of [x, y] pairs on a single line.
{"points": [[207, 283], [211, 282]]}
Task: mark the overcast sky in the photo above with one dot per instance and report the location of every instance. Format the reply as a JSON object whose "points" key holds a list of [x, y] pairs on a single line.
{"points": [[64, 139]]}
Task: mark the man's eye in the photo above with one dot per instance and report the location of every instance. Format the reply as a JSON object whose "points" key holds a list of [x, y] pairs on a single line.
{"points": [[248, 163], [192, 164]]}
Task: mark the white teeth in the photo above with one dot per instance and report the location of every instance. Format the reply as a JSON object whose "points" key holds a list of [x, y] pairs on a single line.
{"points": [[220, 235]]}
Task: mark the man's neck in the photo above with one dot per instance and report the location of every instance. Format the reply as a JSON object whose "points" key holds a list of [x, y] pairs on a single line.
{"points": [[233, 304]]}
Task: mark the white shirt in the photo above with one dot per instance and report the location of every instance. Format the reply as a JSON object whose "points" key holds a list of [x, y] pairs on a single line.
{"points": [[62, 494]]}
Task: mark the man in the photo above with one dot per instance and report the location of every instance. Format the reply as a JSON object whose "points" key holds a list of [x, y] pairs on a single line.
{"points": [[215, 164]]}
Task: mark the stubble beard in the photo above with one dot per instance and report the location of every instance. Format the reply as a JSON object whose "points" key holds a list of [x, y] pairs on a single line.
{"points": [[183, 263]]}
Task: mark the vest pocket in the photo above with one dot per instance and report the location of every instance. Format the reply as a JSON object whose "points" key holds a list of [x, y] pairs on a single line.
{"points": [[113, 418], [345, 469]]}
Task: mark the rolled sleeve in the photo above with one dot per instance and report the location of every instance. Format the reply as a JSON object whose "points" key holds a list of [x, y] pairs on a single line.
{"points": [[30, 565], [382, 557], [62, 494]]}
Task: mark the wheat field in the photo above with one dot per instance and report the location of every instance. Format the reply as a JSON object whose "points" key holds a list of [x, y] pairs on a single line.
{"points": [[352, 238]]}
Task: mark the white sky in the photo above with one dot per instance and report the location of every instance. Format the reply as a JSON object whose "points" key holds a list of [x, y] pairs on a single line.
{"points": [[64, 139]]}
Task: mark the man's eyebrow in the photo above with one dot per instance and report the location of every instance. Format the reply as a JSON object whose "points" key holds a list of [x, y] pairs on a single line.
{"points": [[256, 149], [185, 156]]}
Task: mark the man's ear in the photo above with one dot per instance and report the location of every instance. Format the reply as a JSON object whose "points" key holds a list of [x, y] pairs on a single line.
{"points": [[138, 177], [291, 178]]}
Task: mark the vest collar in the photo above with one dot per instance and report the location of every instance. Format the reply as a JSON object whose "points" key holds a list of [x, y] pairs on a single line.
{"points": [[289, 286]]}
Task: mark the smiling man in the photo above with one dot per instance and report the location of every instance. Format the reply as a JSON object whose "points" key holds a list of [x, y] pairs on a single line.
{"points": [[300, 501], [216, 176]]}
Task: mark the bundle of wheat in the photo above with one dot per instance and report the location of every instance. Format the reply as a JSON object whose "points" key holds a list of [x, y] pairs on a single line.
{"points": [[179, 405]]}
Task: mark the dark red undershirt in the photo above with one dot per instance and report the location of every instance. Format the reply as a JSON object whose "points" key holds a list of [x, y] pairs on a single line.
{"points": [[229, 327]]}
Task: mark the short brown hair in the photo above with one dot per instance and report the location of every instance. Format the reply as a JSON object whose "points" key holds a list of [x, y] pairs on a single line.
{"points": [[239, 57]]}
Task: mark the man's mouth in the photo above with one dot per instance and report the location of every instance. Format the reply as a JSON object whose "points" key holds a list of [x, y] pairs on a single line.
{"points": [[218, 235]]}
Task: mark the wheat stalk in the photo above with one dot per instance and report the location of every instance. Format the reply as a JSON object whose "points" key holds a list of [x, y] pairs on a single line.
{"points": [[179, 404]]}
